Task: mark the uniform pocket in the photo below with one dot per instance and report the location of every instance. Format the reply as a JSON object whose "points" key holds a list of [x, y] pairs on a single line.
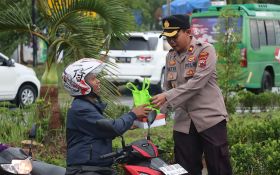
{"points": [[171, 76], [189, 72], [180, 114]]}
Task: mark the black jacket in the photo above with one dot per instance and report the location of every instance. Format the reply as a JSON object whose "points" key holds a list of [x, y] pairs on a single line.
{"points": [[85, 141]]}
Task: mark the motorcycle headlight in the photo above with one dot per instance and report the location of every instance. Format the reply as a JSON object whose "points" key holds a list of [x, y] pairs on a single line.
{"points": [[18, 166]]}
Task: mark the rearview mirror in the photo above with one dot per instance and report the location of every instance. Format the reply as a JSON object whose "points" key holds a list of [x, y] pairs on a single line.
{"points": [[32, 132], [151, 117], [10, 62]]}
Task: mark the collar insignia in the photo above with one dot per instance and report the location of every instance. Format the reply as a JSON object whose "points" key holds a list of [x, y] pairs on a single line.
{"points": [[191, 48]]}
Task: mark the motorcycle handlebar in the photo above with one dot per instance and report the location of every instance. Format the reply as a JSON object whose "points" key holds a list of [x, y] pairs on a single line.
{"points": [[110, 155]]}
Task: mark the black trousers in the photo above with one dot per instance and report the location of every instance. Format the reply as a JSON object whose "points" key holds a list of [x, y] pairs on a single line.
{"points": [[189, 149]]}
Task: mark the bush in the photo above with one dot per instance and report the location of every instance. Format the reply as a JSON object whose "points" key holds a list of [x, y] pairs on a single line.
{"points": [[246, 100], [253, 129], [256, 158], [255, 146]]}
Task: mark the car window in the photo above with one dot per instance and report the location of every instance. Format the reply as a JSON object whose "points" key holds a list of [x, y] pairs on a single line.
{"points": [[207, 29], [135, 43], [153, 41], [270, 32], [277, 31], [255, 42], [262, 33]]}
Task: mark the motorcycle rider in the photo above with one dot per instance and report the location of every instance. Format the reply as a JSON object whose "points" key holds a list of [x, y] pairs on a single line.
{"points": [[85, 141]]}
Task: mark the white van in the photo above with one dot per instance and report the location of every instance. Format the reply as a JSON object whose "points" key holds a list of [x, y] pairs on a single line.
{"points": [[142, 56]]}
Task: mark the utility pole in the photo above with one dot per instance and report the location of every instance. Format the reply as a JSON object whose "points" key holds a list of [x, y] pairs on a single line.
{"points": [[34, 39], [168, 8]]}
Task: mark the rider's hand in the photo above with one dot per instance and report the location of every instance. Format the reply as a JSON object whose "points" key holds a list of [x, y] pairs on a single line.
{"points": [[141, 111]]}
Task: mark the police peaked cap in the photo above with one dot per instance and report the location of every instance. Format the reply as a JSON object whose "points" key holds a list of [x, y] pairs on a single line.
{"points": [[172, 24]]}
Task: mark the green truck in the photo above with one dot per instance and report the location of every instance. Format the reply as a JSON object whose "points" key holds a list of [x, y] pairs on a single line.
{"points": [[259, 25]]}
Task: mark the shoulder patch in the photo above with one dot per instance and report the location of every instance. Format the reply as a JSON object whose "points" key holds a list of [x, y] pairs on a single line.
{"points": [[202, 63], [203, 55]]}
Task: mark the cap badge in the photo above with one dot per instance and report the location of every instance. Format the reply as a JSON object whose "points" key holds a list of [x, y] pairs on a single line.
{"points": [[166, 24]]}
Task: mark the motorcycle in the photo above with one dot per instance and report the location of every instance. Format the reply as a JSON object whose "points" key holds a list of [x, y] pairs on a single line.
{"points": [[15, 161], [140, 157]]}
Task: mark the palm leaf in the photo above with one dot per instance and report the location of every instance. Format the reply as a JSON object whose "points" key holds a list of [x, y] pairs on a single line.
{"points": [[69, 31], [15, 18]]}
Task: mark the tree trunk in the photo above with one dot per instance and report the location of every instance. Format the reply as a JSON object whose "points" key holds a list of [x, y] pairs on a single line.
{"points": [[21, 55], [49, 92], [50, 95]]}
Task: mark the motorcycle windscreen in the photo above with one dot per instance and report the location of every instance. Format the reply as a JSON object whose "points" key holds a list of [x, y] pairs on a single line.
{"points": [[156, 163], [11, 153], [145, 148]]}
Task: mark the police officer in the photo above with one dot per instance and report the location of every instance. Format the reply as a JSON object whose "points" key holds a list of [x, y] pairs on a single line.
{"points": [[192, 91]]}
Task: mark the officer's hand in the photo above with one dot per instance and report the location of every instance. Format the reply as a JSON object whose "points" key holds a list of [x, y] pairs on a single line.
{"points": [[141, 111], [158, 100]]}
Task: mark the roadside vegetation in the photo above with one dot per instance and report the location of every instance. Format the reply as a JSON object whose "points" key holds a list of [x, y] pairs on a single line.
{"points": [[253, 137]]}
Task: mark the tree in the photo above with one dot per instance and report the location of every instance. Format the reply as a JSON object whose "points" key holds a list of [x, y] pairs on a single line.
{"points": [[228, 51], [147, 9], [10, 40], [67, 29]]}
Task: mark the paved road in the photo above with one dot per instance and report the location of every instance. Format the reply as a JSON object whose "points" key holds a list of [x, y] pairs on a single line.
{"points": [[126, 98]]}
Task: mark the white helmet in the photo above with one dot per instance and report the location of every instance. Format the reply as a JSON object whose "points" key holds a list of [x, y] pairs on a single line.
{"points": [[73, 76]]}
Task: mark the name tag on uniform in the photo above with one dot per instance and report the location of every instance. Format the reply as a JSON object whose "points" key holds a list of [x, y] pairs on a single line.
{"points": [[171, 69]]}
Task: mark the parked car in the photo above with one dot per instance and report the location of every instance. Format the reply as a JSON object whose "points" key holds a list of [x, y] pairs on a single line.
{"points": [[18, 83], [142, 56]]}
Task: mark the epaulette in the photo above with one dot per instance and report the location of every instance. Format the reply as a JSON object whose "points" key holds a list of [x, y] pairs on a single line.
{"points": [[198, 43]]}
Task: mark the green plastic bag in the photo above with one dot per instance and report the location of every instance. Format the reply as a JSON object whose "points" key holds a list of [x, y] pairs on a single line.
{"points": [[142, 96]]}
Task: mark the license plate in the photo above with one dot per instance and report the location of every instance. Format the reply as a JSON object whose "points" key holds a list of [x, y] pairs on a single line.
{"points": [[174, 169], [123, 59]]}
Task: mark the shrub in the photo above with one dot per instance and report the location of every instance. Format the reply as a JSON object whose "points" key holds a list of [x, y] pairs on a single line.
{"points": [[256, 158]]}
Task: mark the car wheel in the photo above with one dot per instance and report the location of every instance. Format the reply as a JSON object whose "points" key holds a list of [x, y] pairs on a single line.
{"points": [[267, 81], [26, 95]]}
